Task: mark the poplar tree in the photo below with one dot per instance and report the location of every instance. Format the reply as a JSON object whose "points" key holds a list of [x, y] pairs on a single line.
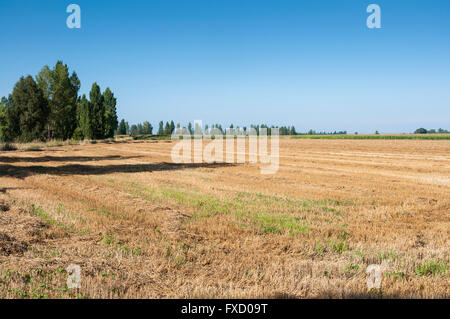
{"points": [[97, 116], [5, 134], [167, 129], [28, 112], [61, 91], [161, 128], [84, 111], [111, 122], [122, 127], [147, 128]]}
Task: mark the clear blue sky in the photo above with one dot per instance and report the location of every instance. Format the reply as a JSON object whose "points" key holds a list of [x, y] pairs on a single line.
{"points": [[312, 64]]}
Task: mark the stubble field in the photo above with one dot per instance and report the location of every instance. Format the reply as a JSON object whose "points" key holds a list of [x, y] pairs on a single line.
{"points": [[141, 227]]}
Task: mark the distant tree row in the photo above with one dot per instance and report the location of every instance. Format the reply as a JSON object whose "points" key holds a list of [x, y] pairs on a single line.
{"points": [[168, 127], [48, 107], [431, 131], [144, 128], [313, 132], [283, 130]]}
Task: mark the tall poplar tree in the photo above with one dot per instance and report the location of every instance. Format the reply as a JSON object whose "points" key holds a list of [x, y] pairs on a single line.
{"points": [[161, 128], [97, 117], [84, 116], [28, 111], [111, 122], [122, 127], [5, 132], [61, 90]]}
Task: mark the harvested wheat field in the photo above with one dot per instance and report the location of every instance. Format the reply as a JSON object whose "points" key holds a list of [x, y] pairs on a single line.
{"points": [[140, 227]]}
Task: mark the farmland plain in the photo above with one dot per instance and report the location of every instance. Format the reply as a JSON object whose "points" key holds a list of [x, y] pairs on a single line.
{"points": [[140, 226]]}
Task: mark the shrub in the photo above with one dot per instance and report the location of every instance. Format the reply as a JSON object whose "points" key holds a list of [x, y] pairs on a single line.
{"points": [[432, 267], [421, 131], [78, 135], [8, 147]]}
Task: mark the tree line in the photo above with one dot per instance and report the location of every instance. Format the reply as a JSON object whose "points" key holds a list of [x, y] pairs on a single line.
{"points": [[48, 107], [166, 129], [430, 131]]}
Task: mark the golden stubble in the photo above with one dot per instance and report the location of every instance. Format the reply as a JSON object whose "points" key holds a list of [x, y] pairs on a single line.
{"points": [[141, 227]]}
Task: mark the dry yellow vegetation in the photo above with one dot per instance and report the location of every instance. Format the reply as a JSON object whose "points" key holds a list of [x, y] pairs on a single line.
{"points": [[141, 227]]}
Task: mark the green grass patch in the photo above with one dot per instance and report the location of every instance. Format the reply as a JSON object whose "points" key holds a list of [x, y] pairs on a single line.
{"points": [[149, 137], [319, 249], [41, 213], [108, 213], [351, 267], [339, 246], [269, 214], [279, 223], [395, 275], [432, 267], [387, 255], [376, 137], [109, 239]]}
